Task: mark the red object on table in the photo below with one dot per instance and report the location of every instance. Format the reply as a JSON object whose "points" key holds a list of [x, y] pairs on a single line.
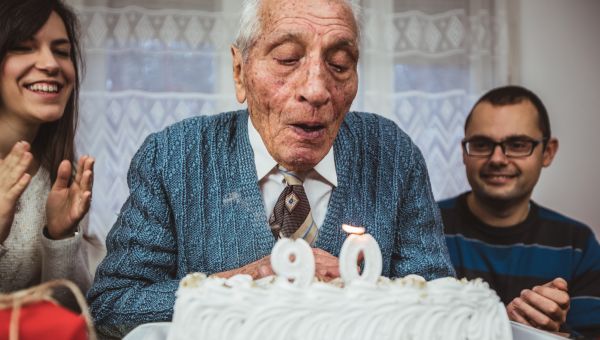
{"points": [[44, 320]]}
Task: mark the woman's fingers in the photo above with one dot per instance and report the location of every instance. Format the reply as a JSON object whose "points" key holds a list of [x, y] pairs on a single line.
{"points": [[15, 164], [87, 178], [13, 176], [84, 203], [79, 169], [63, 175], [15, 154], [17, 190]]}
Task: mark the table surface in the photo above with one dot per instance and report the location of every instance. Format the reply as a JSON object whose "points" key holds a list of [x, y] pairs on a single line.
{"points": [[160, 331]]}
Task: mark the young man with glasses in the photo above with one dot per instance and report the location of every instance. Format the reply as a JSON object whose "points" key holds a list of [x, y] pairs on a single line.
{"points": [[544, 266]]}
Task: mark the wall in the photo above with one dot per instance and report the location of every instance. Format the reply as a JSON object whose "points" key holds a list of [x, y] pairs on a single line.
{"points": [[559, 55]]}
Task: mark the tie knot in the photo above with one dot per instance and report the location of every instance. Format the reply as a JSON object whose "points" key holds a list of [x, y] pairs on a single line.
{"points": [[291, 177]]}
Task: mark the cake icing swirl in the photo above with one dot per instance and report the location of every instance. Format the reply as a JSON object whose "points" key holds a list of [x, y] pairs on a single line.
{"points": [[272, 308]]}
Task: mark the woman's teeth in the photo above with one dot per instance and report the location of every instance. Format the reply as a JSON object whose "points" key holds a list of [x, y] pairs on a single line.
{"points": [[50, 88]]}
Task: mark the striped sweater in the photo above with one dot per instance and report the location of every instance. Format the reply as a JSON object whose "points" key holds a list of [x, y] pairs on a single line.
{"points": [[195, 206], [544, 246]]}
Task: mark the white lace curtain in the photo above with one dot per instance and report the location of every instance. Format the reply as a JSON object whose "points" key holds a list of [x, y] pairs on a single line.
{"points": [[153, 62]]}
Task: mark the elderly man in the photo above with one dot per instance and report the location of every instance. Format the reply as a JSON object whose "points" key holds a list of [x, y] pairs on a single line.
{"points": [[545, 266], [213, 193]]}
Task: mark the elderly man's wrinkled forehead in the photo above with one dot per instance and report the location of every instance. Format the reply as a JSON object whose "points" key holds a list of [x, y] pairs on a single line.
{"points": [[272, 12]]}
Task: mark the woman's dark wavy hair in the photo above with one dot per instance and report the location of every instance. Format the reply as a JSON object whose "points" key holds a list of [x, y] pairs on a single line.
{"points": [[19, 21]]}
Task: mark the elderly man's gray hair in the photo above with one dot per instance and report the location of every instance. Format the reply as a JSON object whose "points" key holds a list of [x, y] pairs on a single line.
{"points": [[250, 26]]}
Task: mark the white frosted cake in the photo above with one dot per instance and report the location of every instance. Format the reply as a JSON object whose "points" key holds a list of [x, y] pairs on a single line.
{"points": [[272, 308]]}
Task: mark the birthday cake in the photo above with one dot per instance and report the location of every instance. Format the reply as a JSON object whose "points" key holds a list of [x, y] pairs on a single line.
{"points": [[273, 308]]}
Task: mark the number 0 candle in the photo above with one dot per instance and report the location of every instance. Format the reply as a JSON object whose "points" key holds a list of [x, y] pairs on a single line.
{"points": [[356, 243]]}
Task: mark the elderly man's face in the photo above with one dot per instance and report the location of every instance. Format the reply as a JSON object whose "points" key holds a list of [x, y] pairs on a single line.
{"points": [[300, 77]]}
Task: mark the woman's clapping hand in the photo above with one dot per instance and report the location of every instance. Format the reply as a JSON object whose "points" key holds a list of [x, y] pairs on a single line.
{"points": [[13, 182], [68, 204]]}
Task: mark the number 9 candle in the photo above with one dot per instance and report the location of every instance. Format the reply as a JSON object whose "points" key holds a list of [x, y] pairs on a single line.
{"points": [[301, 269]]}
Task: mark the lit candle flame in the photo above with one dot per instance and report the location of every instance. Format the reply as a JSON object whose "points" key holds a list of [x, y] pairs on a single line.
{"points": [[353, 230]]}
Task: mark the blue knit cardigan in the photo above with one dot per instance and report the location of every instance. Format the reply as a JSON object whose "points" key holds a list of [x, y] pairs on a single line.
{"points": [[195, 206]]}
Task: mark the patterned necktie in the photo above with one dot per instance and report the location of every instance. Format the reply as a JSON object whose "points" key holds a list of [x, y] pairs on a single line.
{"points": [[291, 216]]}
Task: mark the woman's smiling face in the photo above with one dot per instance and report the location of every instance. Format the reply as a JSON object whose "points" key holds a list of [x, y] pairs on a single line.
{"points": [[37, 75]]}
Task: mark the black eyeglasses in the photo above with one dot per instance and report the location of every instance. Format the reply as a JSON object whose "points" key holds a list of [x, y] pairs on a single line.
{"points": [[512, 147]]}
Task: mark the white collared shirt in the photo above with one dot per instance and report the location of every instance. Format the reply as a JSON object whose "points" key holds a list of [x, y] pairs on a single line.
{"points": [[318, 182]]}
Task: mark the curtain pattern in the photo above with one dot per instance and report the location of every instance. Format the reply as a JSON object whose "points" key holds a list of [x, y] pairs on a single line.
{"points": [[423, 63]]}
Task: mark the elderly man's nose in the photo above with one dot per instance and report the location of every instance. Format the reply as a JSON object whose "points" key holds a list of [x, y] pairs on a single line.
{"points": [[314, 89]]}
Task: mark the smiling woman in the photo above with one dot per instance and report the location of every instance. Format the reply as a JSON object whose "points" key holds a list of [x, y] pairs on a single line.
{"points": [[41, 204], [38, 76]]}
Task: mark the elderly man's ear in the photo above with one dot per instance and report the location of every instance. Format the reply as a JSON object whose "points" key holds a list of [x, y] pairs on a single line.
{"points": [[238, 75]]}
